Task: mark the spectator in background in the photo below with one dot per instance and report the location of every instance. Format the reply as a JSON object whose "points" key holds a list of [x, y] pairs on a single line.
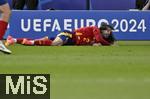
{"points": [[140, 4], [20, 4], [147, 6]]}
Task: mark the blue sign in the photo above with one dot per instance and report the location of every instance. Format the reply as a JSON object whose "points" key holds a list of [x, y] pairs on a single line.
{"points": [[129, 25]]}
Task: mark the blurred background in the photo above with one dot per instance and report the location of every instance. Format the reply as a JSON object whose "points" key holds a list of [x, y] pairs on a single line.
{"points": [[85, 4]]}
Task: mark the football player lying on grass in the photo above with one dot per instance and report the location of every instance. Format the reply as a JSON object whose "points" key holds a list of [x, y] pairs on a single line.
{"points": [[81, 37]]}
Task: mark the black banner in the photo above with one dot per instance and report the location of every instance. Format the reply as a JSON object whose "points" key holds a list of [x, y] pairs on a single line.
{"points": [[24, 86]]}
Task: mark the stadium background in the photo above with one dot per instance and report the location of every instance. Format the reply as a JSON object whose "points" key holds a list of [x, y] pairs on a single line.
{"points": [[82, 4], [113, 72], [127, 27]]}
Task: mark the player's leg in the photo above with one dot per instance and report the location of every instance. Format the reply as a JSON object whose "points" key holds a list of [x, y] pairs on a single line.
{"points": [[29, 42], [4, 19], [10, 41], [44, 38], [5, 10], [46, 42], [38, 42], [62, 39], [57, 41], [26, 41]]}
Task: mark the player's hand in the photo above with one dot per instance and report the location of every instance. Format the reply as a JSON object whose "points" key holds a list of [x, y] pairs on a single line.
{"points": [[97, 44], [115, 44]]}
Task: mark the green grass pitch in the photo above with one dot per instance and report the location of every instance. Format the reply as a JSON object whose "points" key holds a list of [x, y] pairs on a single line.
{"points": [[114, 72]]}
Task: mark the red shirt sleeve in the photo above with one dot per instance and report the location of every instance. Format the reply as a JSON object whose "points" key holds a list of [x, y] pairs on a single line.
{"points": [[96, 34]]}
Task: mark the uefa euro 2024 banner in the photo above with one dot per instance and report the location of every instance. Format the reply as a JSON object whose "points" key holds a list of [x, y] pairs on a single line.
{"points": [[128, 25]]}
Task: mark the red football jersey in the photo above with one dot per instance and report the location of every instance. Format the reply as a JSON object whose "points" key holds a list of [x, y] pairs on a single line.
{"points": [[89, 36]]}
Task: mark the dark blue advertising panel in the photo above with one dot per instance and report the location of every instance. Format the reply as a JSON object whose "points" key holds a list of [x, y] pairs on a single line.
{"points": [[63, 4], [81, 4], [112, 4], [128, 25]]}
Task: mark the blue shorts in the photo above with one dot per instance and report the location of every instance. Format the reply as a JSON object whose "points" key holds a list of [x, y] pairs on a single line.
{"points": [[66, 37], [2, 2]]}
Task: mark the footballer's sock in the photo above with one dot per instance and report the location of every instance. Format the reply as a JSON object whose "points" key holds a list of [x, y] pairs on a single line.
{"points": [[19, 40], [3, 27], [28, 42], [43, 42]]}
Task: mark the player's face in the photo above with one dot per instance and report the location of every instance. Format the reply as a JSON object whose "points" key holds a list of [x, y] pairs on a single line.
{"points": [[106, 33]]}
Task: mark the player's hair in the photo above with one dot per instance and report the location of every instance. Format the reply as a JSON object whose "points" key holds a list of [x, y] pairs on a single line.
{"points": [[104, 26]]}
